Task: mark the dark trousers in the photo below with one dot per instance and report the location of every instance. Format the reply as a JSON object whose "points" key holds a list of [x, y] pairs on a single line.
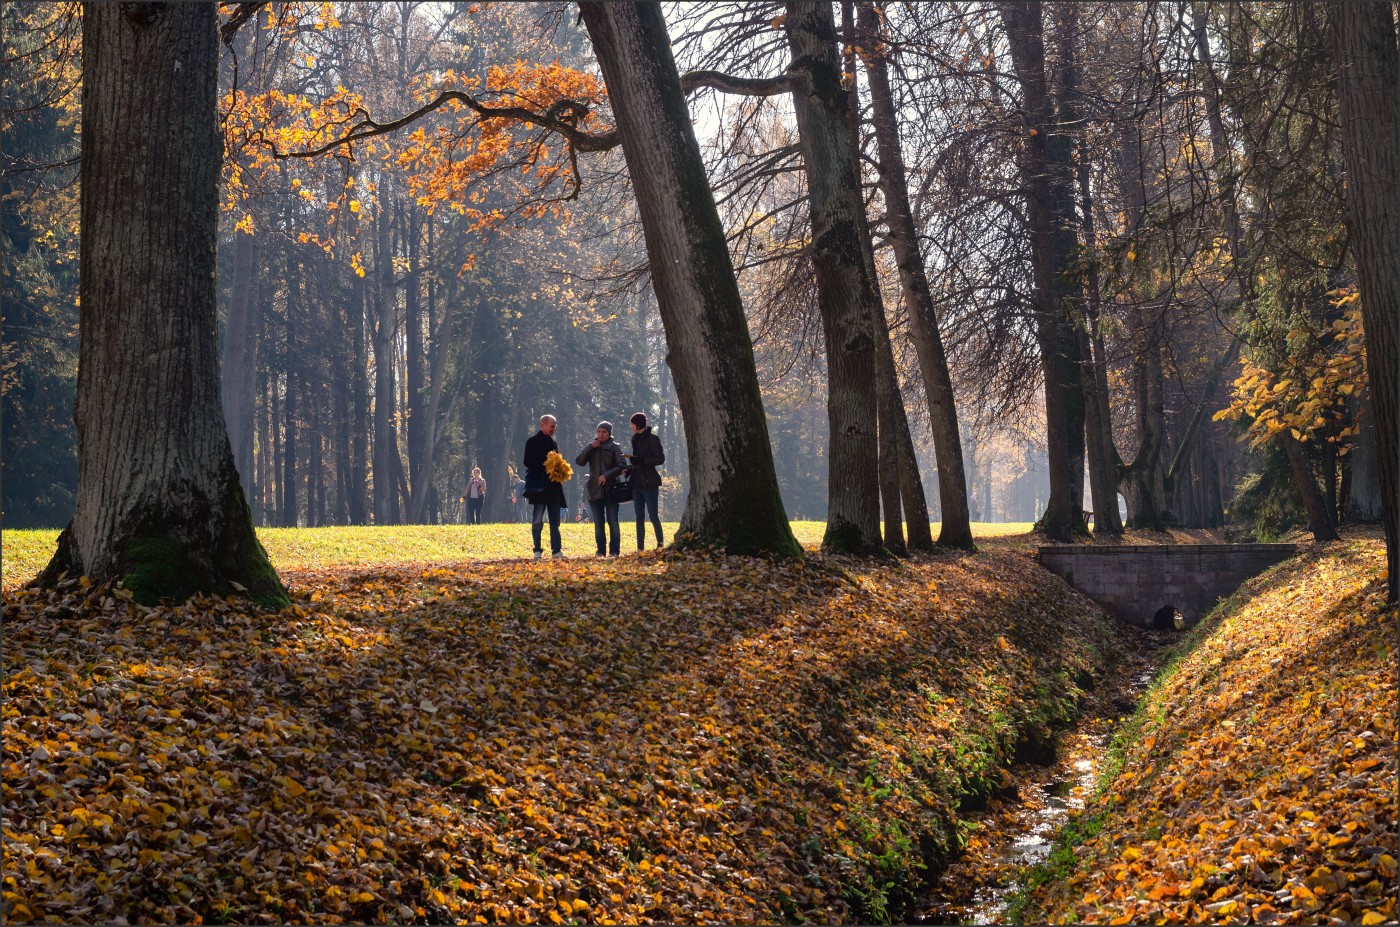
{"points": [[556, 544], [645, 501], [474, 510], [603, 510]]}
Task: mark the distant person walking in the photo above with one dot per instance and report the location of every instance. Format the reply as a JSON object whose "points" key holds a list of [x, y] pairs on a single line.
{"points": [[546, 496], [517, 496], [603, 456], [476, 497], [646, 456]]}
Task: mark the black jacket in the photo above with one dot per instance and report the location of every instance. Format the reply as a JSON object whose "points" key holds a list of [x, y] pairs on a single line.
{"points": [[604, 460], [538, 486], [646, 457]]}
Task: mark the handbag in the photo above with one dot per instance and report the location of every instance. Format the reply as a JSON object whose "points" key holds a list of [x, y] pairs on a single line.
{"points": [[619, 488]]}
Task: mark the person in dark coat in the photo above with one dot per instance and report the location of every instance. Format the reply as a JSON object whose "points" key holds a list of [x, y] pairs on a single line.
{"points": [[646, 456], [603, 456], [545, 495]]}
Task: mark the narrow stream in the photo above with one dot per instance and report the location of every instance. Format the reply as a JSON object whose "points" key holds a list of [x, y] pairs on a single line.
{"points": [[1020, 829]]}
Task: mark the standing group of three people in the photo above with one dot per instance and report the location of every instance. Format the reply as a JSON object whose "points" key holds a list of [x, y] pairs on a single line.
{"points": [[606, 461]]}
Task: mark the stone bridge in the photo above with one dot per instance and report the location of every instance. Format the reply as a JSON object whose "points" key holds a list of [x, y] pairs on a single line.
{"points": [[1148, 584]]}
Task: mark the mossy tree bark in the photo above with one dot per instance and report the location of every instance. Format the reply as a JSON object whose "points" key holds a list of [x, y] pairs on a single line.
{"points": [[159, 503], [733, 503], [845, 292], [955, 529], [1368, 66]]}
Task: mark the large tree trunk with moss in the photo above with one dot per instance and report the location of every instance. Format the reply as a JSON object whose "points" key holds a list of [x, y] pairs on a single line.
{"points": [[159, 504], [733, 502], [845, 292], [955, 529], [1368, 66], [1048, 190]]}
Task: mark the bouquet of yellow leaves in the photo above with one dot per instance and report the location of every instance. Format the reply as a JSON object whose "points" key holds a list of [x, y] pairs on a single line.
{"points": [[557, 467]]}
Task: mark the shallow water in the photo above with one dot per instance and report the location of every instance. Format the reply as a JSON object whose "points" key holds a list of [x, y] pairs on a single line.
{"points": [[1019, 830]]}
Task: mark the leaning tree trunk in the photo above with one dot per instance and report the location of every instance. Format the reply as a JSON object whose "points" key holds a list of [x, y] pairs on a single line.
{"points": [[955, 529], [1368, 65], [845, 292], [1314, 503], [733, 501], [1045, 172], [159, 504]]}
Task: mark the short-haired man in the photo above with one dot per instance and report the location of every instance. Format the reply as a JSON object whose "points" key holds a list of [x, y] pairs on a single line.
{"points": [[603, 456], [545, 495]]}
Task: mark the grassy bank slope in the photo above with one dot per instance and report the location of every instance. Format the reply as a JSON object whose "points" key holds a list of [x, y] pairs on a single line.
{"points": [[674, 738], [1258, 781], [24, 553]]}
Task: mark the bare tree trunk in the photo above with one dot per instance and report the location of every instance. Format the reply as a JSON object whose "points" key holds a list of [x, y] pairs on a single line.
{"points": [[1319, 519], [733, 501], [1098, 441], [289, 407], [845, 292], [1047, 188], [359, 402], [889, 403], [955, 528], [239, 364], [159, 504], [419, 427], [386, 442], [1368, 65]]}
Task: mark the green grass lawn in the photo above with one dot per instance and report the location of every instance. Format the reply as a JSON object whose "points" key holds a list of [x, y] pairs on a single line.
{"points": [[24, 553]]}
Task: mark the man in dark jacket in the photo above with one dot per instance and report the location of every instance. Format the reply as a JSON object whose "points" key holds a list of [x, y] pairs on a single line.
{"points": [[604, 459], [646, 456], [545, 495]]}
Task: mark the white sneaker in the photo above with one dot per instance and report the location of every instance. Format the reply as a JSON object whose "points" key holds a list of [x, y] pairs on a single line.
{"points": [[539, 555], [559, 555]]}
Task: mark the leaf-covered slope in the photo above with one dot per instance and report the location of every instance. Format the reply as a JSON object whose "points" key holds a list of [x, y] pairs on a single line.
{"points": [[1261, 784], [675, 738]]}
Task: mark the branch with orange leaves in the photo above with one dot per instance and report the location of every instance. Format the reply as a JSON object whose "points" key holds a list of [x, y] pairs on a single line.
{"points": [[561, 117]]}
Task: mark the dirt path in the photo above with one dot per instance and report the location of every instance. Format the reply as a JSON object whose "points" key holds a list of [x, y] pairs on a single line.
{"points": [[1019, 830]]}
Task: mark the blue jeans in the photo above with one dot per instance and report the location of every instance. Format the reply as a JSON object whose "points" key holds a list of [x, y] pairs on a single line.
{"points": [[644, 501], [556, 543], [605, 510], [474, 510]]}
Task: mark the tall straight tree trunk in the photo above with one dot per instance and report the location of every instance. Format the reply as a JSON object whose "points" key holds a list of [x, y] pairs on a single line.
{"points": [[159, 504], [1368, 66], [1045, 173], [845, 292], [889, 403], [239, 364], [1098, 448], [358, 480], [733, 501], [1141, 480], [386, 442], [419, 425], [289, 406], [955, 529]]}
